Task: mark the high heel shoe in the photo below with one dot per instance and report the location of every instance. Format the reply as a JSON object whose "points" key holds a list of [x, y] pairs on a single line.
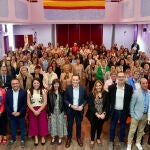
{"points": [[43, 141], [92, 144], [98, 141], [36, 144], [53, 141], [4, 141], [60, 141], [0, 140]]}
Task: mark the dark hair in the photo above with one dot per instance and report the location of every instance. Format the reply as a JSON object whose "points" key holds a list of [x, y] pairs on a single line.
{"points": [[49, 67], [37, 67], [119, 62], [76, 75], [127, 67], [32, 88], [15, 79], [56, 81]]}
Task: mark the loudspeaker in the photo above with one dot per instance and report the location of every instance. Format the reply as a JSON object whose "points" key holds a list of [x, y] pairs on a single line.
{"points": [[144, 29]]}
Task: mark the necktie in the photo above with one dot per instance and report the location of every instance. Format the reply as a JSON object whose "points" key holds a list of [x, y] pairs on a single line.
{"points": [[4, 79]]}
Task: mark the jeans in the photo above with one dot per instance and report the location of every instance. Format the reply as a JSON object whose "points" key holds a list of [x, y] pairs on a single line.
{"points": [[14, 122], [118, 115]]}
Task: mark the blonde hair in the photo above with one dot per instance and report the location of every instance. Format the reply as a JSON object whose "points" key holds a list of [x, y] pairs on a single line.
{"points": [[94, 87]]}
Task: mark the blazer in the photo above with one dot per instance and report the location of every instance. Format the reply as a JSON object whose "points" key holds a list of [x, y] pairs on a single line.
{"points": [[137, 104], [91, 107], [7, 84], [22, 102], [127, 97], [149, 111], [51, 98], [28, 81], [68, 98]]}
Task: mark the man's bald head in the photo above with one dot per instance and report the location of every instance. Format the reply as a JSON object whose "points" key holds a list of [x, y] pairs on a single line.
{"points": [[144, 84]]}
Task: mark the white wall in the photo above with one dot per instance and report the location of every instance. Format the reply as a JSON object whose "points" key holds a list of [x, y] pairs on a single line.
{"points": [[44, 32], [123, 35], [107, 35]]}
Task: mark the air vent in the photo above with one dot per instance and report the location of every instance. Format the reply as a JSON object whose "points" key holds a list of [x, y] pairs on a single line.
{"points": [[32, 1]]}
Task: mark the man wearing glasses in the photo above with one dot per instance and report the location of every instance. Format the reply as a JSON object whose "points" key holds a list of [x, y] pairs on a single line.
{"points": [[119, 95]]}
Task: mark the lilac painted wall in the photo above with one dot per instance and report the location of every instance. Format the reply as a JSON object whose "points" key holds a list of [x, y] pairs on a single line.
{"points": [[44, 32]]}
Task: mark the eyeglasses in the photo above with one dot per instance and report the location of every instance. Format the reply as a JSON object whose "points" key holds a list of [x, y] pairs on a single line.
{"points": [[121, 76]]}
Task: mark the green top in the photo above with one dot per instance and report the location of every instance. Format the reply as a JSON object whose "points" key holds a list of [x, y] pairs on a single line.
{"points": [[100, 73]]}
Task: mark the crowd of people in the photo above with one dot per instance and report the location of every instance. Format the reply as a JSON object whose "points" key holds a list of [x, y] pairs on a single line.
{"points": [[44, 88]]}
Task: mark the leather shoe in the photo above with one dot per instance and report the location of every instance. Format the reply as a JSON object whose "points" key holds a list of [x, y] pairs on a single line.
{"points": [[80, 142], [68, 143]]}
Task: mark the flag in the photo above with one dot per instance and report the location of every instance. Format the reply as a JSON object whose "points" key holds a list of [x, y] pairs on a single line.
{"points": [[74, 4]]}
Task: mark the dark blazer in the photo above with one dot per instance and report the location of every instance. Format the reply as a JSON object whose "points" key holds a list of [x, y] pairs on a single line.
{"points": [[51, 98], [7, 84], [68, 98], [127, 97], [91, 107], [22, 102]]}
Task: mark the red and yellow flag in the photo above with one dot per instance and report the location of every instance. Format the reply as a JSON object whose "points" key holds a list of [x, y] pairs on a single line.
{"points": [[74, 4]]}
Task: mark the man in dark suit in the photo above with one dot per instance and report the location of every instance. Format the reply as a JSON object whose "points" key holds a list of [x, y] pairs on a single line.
{"points": [[75, 99], [6, 79], [119, 96], [16, 103]]}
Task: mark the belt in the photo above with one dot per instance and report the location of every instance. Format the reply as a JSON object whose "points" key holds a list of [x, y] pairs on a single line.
{"points": [[145, 113]]}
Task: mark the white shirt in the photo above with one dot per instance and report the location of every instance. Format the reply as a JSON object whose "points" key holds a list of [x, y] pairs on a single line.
{"points": [[76, 96], [15, 100], [119, 98]]}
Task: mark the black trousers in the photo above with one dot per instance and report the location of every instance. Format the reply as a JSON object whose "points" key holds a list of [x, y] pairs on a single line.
{"points": [[96, 126], [3, 124], [78, 116]]}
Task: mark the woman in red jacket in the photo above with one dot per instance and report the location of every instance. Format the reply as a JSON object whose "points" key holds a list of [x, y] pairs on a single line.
{"points": [[3, 116]]}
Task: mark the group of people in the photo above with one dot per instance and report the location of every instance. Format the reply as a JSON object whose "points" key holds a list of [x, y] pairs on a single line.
{"points": [[43, 89]]}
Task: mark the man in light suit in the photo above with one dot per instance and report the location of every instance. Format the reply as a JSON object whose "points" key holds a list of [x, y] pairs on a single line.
{"points": [[138, 110], [16, 103], [75, 99]]}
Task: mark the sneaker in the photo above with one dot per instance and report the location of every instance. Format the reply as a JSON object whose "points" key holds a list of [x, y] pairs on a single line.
{"points": [[22, 144], [111, 146], [129, 147], [139, 146], [11, 142]]}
